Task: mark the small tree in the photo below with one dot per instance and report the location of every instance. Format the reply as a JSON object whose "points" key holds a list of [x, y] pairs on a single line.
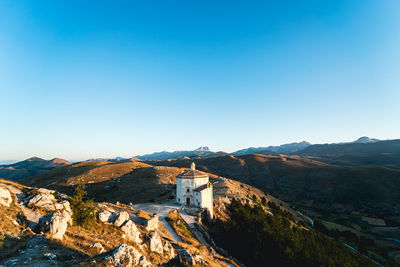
{"points": [[82, 209]]}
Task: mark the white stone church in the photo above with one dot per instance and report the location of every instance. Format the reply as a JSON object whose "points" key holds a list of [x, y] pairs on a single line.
{"points": [[193, 188]]}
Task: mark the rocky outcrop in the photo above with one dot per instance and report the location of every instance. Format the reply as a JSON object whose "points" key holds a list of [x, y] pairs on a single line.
{"points": [[54, 224], [105, 216], [122, 217], [168, 250], [131, 232], [155, 242], [186, 258], [44, 200], [118, 219], [128, 256], [5, 197], [152, 223]]}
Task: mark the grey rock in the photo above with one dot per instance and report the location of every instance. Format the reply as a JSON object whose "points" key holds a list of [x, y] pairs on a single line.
{"points": [[127, 256], [5, 197], [122, 217], [131, 232], [155, 242]]}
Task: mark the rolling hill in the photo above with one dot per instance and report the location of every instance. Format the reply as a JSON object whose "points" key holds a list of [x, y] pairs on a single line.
{"points": [[128, 182], [300, 180], [29, 167]]}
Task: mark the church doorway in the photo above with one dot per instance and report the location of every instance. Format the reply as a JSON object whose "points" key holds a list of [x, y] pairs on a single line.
{"points": [[188, 201]]}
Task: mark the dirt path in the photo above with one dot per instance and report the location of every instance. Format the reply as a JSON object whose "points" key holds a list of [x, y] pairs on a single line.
{"points": [[191, 221], [162, 211]]}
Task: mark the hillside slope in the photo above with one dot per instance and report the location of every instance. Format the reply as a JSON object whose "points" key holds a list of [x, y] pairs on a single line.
{"points": [[296, 179], [29, 167]]}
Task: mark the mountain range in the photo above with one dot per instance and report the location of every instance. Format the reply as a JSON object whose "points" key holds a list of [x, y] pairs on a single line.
{"points": [[201, 152], [363, 151]]}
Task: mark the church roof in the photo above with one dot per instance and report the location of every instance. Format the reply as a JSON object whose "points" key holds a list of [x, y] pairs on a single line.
{"points": [[204, 186], [192, 174]]}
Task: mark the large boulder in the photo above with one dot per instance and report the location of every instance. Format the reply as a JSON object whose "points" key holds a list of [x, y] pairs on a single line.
{"points": [[106, 216], [131, 232], [186, 258], [122, 217], [44, 201], [5, 197], [128, 256], [155, 242], [54, 224], [152, 223]]}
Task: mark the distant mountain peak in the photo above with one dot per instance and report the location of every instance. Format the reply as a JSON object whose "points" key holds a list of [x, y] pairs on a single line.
{"points": [[35, 159], [366, 139], [203, 148]]}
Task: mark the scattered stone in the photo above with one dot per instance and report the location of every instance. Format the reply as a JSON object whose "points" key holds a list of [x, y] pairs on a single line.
{"points": [[50, 255], [152, 223], [121, 219], [128, 256], [106, 216], [186, 258], [199, 260], [55, 224], [5, 197], [144, 263], [168, 250], [131, 232], [155, 242], [99, 247]]}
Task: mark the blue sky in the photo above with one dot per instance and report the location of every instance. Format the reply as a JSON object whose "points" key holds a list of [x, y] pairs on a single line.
{"points": [[81, 79]]}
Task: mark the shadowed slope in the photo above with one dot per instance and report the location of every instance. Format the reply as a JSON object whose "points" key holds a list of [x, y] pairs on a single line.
{"points": [[29, 167], [376, 189]]}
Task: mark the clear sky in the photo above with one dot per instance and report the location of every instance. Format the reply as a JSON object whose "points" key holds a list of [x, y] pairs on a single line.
{"points": [[81, 79]]}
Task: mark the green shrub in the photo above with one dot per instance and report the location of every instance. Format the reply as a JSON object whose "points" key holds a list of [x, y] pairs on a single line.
{"points": [[82, 209]]}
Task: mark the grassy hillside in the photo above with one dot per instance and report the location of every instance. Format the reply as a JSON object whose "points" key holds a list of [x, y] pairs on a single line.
{"points": [[123, 182], [29, 167]]}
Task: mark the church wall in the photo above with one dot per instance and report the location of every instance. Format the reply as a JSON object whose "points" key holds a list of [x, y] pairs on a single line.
{"points": [[179, 190], [200, 181], [206, 199]]}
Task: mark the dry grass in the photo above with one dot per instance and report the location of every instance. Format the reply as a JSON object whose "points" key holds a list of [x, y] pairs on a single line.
{"points": [[181, 228], [10, 230], [80, 239], [143, 214], [9, 218], [127, 182], [15, 184]]}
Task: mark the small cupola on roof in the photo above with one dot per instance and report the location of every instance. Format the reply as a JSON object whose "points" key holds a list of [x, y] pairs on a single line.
{"points": [[192, 173]]}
